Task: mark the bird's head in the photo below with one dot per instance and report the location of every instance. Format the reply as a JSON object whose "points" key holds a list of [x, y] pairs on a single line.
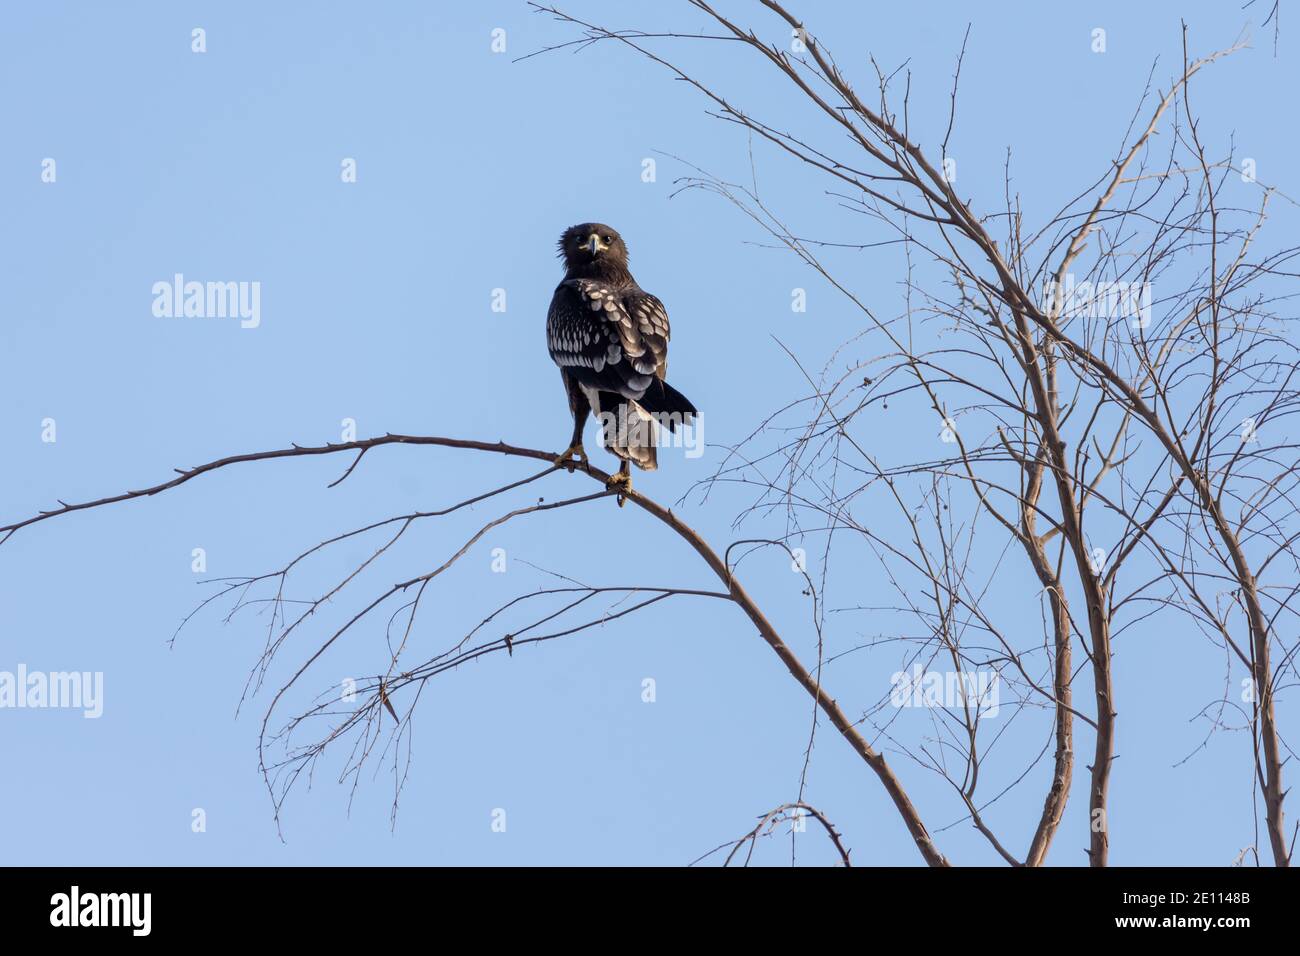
{"points": [[592, 247]]}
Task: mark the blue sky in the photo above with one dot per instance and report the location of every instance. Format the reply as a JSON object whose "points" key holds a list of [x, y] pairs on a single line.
{"points": [[376, 306]]}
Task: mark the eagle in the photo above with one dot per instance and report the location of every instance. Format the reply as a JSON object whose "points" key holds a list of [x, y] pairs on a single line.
{"points": [[610, 339]]}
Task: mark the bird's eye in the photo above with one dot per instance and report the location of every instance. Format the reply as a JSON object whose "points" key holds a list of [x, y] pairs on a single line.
{"points": [[608, 240]]}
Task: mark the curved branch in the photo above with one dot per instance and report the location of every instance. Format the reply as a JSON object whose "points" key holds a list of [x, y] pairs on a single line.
{"points": [[737, 592], [183, 475]]}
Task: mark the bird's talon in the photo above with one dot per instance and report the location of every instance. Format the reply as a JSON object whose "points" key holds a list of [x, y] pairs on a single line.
{"points": [[623, 482], [572, 455]]}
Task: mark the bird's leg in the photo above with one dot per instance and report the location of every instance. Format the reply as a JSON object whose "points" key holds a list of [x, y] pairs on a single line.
{"points": [[575, 451], [622, 481]]}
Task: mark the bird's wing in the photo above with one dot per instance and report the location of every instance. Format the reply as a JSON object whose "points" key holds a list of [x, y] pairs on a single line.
{"points": [[652, 324], [609, 338]]}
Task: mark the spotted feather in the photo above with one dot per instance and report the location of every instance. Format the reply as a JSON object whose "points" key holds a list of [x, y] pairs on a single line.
{"points": [[615, 338]]}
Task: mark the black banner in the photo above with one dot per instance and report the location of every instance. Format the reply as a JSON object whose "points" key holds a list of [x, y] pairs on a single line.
{"points": [[334, 905]]}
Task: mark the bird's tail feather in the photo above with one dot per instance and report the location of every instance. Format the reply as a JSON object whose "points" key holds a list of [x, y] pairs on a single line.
{"points": [[632, 434], [668, 405]]}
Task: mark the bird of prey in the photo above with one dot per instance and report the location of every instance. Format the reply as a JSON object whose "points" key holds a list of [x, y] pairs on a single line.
{"points": [[610, 339]]}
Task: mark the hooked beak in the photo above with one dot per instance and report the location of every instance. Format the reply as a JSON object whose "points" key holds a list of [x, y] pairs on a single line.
{"points": [[594, 244]]}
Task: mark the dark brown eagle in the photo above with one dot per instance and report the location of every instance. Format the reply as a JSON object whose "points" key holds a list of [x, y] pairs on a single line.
{"points": [[610, 339]]}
